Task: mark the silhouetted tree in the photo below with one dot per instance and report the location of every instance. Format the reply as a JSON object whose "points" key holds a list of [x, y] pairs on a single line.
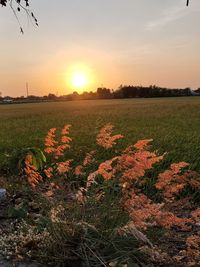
{"points": [[151, 91], [19, 2], [17, 6], [51, 96], [33, 98], [104, 93]]}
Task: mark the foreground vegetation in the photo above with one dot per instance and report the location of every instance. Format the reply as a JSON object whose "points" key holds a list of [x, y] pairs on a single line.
{"points": [[100, 212], [85, 196]]}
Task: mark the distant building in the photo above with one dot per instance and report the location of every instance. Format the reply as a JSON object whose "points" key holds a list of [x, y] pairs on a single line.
{"points": [[195, 92], [8, 100]]}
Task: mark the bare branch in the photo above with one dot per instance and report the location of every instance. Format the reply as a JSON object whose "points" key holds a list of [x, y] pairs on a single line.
{"points": [[17, 6]]}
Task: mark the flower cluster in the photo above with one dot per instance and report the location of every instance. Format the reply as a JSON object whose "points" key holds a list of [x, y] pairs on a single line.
{"points": [[196, 216], [135, 164], [48, 172], [79, 170], [174, 180], [104, 137], [106, 169], [141, 209], [193, 247], [128, 171], [33, 176], [132, 164], [50, 141], [171, 181], [169, 220], [144, 212], [54, 147], [88, 160], [142, 144], [63, 167]]}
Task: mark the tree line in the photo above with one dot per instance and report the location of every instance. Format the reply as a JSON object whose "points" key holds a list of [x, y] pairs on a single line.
{"points": [[132, 92], [124, 91]]}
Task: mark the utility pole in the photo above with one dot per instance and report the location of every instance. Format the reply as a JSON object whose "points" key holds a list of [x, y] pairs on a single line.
{"points": [[27, 92]]}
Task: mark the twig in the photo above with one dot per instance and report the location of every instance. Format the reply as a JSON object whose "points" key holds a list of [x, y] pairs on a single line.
{"points": [[95, 255]]}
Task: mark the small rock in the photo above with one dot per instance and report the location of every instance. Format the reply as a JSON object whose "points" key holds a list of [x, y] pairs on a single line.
{"points": [[2, 194]]}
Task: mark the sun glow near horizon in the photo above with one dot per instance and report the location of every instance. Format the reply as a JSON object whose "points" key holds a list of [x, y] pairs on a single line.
{"points": [[80, 77]]}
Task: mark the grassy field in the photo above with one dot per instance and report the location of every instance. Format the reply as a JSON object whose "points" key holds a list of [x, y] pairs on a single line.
{"points": [[99, 216], [173, 123]]}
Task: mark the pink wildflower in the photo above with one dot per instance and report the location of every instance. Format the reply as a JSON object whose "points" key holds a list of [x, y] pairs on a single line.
{"points": [[141, 144], [64, 167], [105, 139]]}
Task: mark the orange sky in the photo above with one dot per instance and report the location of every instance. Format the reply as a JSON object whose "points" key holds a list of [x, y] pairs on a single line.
{"points": [[118, 42]]}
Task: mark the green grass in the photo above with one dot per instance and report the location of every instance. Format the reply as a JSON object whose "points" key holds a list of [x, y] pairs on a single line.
{"points": [[173, 123]]}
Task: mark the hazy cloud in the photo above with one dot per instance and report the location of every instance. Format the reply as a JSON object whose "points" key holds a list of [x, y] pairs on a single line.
{"points": [[167, 16]]}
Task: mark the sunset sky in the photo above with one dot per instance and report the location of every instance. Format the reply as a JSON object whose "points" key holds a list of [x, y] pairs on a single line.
{"points": [[112, 42]]}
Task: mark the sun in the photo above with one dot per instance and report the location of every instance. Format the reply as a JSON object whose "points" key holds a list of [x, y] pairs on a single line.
{"points": [[79, 80], [79, 77]]}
